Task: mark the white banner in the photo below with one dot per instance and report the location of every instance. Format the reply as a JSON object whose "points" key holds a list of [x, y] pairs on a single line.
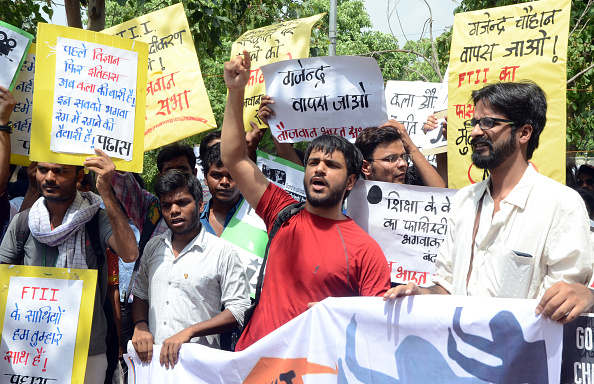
{"points": [[409, 223], [324, 95], [425, 339]]}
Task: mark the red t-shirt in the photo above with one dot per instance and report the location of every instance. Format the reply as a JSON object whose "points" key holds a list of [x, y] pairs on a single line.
{"points": [[311, 258]]}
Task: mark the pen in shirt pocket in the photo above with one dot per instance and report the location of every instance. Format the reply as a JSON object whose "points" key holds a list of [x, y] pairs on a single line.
{"points": [[521, 254]]}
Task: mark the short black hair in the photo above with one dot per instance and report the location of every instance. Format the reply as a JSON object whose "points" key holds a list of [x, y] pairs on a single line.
{"points": [[212, 156], [173, 180], [173, 151], [87, 180], [330, 143], [214, 135], [525, 103], [371, 137]]}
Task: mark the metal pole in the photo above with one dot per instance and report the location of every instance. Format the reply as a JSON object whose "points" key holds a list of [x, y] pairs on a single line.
{"points": [[332, 34]]}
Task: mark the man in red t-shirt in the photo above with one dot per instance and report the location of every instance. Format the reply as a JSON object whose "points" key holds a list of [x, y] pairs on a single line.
{"points": [[317, 253]]}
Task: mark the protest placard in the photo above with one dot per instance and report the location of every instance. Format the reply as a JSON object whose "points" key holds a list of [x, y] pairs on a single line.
{"points": [[283, 41], [408, 222], [14, 45], [511, 43], [84, 97], [22, 116], [411, 103], [177, 105], [578, 351], [45, 319], [422, 339], [246, 230], [338, 95]]}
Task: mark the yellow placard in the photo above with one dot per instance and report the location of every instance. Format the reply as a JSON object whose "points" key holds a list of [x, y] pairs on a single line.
{"points": [[85, 317], [283, 41], [43, 97], [177, 105], [511, 43], [21, 117]]}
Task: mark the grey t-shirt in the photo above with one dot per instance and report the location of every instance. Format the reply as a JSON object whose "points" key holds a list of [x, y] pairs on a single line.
{"points": [[34, 255]]}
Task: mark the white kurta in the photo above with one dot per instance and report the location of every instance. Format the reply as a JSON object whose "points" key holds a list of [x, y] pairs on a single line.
{"points": [[539, 236]]}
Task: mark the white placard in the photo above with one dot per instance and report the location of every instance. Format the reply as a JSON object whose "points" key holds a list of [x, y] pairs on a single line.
{"points": [[94, 99], [409, 223], [411, 103], [13, 46], [324, 95], [21, 117], [39, 332]]}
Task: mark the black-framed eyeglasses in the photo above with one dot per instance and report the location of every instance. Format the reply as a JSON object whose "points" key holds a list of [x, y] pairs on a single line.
{"points": [[394, 158], [485, 122], [581, 182]]}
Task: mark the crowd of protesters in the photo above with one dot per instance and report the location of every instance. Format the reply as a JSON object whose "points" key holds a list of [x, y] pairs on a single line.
{"points": [[166, 277]]}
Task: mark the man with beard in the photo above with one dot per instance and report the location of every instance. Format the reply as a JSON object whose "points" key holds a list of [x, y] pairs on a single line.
{"points": [[59, 237], [518, 233], [185, 276], [317, 253]]}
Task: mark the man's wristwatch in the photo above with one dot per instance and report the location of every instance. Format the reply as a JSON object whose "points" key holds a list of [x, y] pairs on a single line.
{"points": [[6, 128]]}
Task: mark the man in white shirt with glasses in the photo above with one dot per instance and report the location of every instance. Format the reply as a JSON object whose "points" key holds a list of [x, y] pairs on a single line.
{"points": [[517, 234]]}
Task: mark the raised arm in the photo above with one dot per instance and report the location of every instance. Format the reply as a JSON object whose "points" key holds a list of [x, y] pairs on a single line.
{"points": [[7, 104], [251, 181], [122, 241], [32, 193], [430, 176]]}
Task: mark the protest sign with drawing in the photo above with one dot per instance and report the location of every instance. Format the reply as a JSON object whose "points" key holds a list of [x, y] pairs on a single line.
{"points": [[177, 105], [45, 318], [246, 230], [408, 222], [89, 93], [422, 339], [283, 41], [338, 95], [14, 45], [411, 103], [511, 43], [21, 117]]}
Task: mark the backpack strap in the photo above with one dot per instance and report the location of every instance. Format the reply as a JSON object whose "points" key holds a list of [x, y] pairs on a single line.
{"points": [[22, 233], [92, 227], [284, 215], [151, 220]]}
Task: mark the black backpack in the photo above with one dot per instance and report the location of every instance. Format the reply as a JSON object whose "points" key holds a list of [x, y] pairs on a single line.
{"points": [[284, 215]]}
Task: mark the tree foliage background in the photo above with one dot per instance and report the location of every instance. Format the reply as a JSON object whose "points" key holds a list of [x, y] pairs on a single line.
{"points": [[215, 24]]}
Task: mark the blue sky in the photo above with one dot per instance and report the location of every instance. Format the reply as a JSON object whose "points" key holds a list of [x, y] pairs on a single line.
{"points": [[413, 14]]}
